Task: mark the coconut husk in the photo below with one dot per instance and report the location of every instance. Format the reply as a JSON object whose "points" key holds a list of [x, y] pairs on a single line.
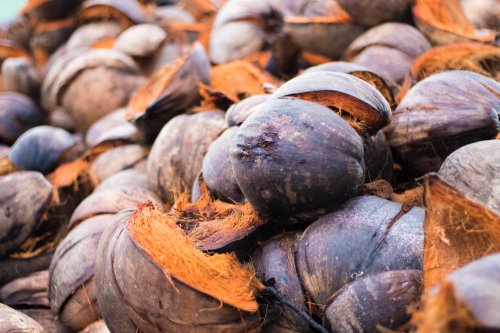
{"points": [[458, 230]]}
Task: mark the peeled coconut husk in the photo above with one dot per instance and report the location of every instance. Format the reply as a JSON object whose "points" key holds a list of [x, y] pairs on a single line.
{"points": [[359, 71], [361, 105], [444, 22], [171, 91], [126, 12], [18, 29], [177, 155], [11, 49], [118, 159], [458, 230], [129, 177], [183, 282], [214, 225], [49, 36], [275, 260], [231, 83], [466, 301], [15, 321], [20, 76], [202, 10]]}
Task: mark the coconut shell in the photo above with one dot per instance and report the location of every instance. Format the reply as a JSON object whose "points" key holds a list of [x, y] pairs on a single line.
{"points": [[24, 199], [171, 91], [72, 290], [458, 230], [129, 177], [284, 175], [466, 301], [444, 22], [440, 114], [378, 158], [97, 327], [43, 148], [118, 159], [27, 291], [240, 111], [376, 12], [177, 154], [49, 36], [14, 268], [217, 170], [20, 76], [46, 319], [18, 114], [275, 259], [361, 104], [365, 236], [11, 49], [379, 300], [15, 321], [482, 14], [121, 283], [19, 29], [140, 40], [93, 32], [111, 201], [111, 127], [473, 171]]}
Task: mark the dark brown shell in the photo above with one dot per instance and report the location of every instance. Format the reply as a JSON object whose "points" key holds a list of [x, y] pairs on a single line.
{"points": [[239, 112], [15, 321], [384, 299], [118, 159], [441, 114], [217, 170], [72, 289], [473, 170], [27, 291], [275, 259], [43, 148], [345, 92], [122, 284], [172, 90], [50, 10], [24, 199], [283, 159], [376, 11], [20, 76], [177, 154], [378, 158], [366, 235], [18, 114]]}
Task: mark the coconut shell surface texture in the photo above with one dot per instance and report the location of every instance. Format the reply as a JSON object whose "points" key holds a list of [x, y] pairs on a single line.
{"points": [[275, 166]]}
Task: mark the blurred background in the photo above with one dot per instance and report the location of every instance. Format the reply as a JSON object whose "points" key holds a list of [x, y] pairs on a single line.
{"points": [[9, 8]]}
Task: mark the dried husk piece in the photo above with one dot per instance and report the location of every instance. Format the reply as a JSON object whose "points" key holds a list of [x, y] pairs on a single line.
{"points": [[239, 112], [15, 321], [375, 12], [111, 201], [458, 230], [360, 104], [91, 33], [49, 10], [49, 36], [43, 148], [284, 163], [444, 22], [440, 114], [177, 154], [475, 57], [375, 302], [473, 171], [126, 12], [467, 300], [275, 259], [359, 71], [389, 50], [172, 90], [71, 286], [365, 236], [182, 281], [24, 199], [217, 170], [118, 159], [20, 76], [233, 82], [18, 113]]}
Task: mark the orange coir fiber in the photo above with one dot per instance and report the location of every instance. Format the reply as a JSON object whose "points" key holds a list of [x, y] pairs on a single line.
{"points": [[220, 275]]}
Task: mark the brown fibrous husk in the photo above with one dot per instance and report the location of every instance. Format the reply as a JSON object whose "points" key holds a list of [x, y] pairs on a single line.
{"points": [[457, 230], [220, 276]]}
